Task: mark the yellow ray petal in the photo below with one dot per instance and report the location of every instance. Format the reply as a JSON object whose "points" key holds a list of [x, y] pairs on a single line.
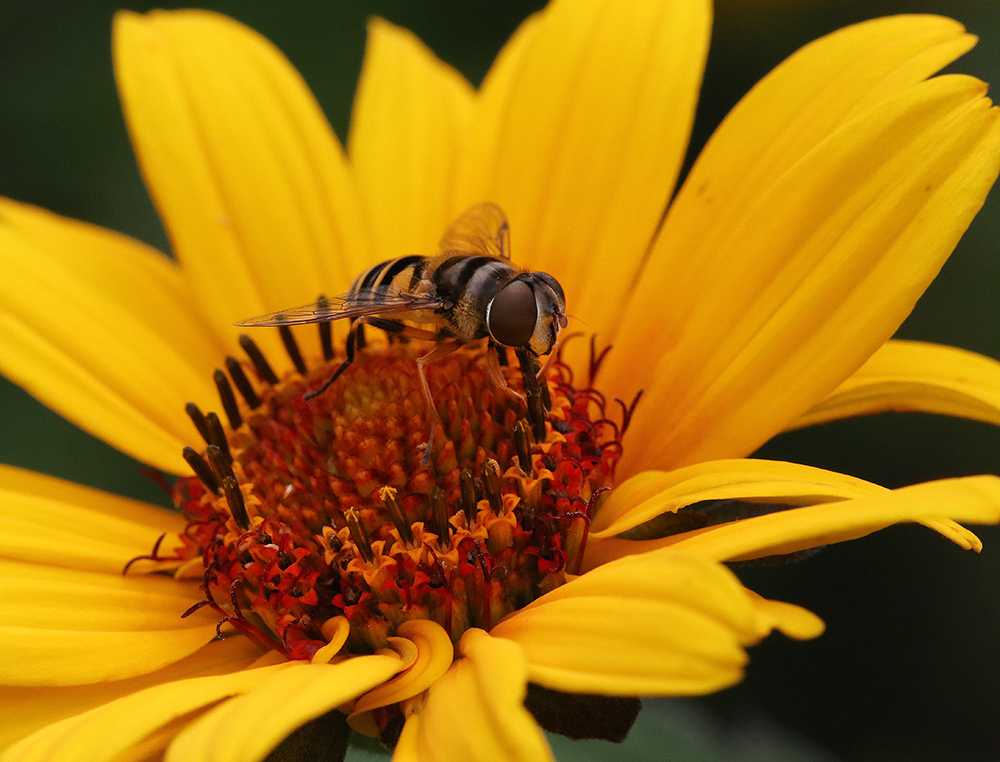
{"points": [[812, 277], [409, 127], [694, 614], [913, 376], [791, 620], [579, 136], [67, 627], [794, 108], [247, 728], [50, 521], [104, 330], [647, 495], [973, 500], [244, 168], [25, 710], [486, 691], [435, 654], [111, 729]]}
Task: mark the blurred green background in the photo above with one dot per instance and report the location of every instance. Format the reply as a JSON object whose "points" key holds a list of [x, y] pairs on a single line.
{"points": [[910, 665]]}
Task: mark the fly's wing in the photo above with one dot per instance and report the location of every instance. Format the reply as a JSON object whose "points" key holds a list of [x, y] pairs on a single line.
{"points": [[346, 307], [481, 229]]}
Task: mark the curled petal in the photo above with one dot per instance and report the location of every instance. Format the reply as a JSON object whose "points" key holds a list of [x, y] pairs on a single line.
{"points": [[434, 654], [475, 711], [913, 376], [695, 615], [650, 493], [973, 499]]}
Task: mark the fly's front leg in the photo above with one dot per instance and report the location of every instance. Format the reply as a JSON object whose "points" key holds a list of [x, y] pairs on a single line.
{"points": [[495, 357], [357, 330], [444, 347]]}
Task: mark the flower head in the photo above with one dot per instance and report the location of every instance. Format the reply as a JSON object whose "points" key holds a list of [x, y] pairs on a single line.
{"points": [[359, 560]]}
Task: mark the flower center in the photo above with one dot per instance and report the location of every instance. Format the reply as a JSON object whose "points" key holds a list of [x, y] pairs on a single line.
{"points": [[306, 511]]}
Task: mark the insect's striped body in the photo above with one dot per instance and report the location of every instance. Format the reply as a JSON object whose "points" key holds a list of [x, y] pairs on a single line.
{"points": [[469, 291], [462, 285]]}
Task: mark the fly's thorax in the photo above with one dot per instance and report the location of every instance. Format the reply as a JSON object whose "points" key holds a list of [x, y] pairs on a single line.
{"points": [[470, 283]]}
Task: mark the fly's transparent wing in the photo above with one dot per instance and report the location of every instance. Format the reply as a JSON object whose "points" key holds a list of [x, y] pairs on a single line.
{"points": [[481, 229], [346, 307]]}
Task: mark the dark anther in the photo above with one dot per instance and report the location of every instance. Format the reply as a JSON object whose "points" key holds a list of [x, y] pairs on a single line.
{"points": [[359, 535], [217, 435], [522, 446], [325, 330], [237, 506], [242, 382], [395, 511], [596, 359], [469, 502], [529, 370], [201, 469], [491, 486], [264, 370], [292, 348], [228, 399], [546, 396], [198, 419], [536, 415], [439, 512], [629, 410], [218, 462]]}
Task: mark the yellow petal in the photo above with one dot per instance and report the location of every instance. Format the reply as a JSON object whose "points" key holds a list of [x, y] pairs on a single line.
{"points": [[241, 163], [68, 627], [656, 624], [791, 620], [25, 710], [647, 495], [799, 288], [785, 116], [409, 127], [913, 376], [49, 521], [111, 729], [973, 499], [435, 654], [247, 728], [579, 136], [476, 710], [104, 330]]}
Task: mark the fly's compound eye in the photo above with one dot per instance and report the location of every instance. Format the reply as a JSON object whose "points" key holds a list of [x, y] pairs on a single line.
{"points": [[512, 314]]}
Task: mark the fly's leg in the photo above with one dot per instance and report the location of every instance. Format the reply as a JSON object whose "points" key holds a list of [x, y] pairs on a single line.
{"points": [[444, 347], [356, 341], [495, 357], [357, 328], [537, 393]]}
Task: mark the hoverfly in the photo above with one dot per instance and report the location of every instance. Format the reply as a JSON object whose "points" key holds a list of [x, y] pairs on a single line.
{"points": [[469, 291]]}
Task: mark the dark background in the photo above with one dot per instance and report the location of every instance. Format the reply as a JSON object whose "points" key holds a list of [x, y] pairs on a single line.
{"points": [[910, 665]]}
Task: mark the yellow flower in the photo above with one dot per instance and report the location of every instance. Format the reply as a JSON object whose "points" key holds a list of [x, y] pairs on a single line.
{"points": [[811, 223]]}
